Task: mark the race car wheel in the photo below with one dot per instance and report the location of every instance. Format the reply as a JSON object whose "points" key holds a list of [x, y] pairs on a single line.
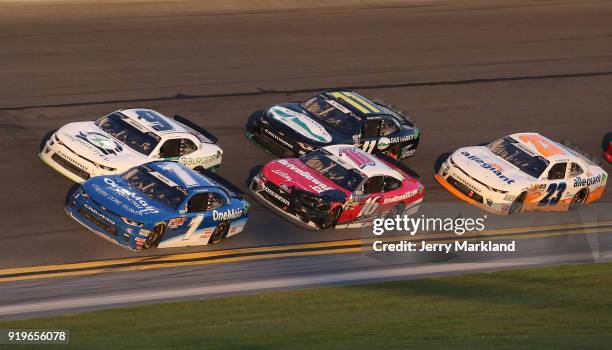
{"points": [[517, 205], [220, 232], [331, 219], [579, 199], [154, 237]]}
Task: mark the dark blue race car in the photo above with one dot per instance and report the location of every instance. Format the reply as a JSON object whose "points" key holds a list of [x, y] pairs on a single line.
{"points": [[291, 130], [159, 204]]}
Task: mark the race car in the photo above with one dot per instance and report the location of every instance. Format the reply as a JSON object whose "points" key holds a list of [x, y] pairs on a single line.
{"points": [[336, 186], [159, 204], [523, 171], [607, 147], [126, 138], [291, 130]]}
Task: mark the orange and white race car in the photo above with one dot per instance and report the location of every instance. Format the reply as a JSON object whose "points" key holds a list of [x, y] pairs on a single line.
{"points": [[524, 171]]}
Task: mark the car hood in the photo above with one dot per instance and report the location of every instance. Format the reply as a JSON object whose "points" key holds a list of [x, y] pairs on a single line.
{"points": [[114, 194], [292, 120], [288, 173], [483, 165], [91, 142]]}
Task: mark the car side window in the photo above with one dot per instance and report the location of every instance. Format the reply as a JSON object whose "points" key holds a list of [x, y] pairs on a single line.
{"points": [[387, 127], [170, 148], [198, 203], [370, 129], [215, 201], [187, 147], [374, 185], [557, 171], [575, 170], [391, 184]]}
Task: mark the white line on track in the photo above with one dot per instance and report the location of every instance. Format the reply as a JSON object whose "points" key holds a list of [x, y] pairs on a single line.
{"points": [[94, 301]]}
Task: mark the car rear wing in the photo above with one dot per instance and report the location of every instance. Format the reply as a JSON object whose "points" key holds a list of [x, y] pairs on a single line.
{"points": [[195, 127], [229, 187]]}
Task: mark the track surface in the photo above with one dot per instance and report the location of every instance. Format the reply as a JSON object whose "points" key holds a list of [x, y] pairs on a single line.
{"points": [[468, 73]]}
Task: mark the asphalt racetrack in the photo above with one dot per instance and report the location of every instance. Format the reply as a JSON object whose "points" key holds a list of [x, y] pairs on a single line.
{"points": [[468, 73]]}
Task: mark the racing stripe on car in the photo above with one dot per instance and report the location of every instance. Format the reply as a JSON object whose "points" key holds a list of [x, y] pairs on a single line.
{"points": [[362, 101], [350, 101]]}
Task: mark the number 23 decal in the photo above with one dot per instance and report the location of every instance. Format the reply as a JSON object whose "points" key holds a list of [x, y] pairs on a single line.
{"points": [[551, 198]]}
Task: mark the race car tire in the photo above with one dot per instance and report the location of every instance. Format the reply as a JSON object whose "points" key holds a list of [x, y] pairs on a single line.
{"points": [[220, 232], [517, 205], [154, 237], [330, 221], [579, 199]]}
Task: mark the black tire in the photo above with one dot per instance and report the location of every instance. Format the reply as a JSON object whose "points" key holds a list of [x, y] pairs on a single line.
{"points": [[331, 220], [219, 233], [517, 205], [154, 237], [579, 199]]}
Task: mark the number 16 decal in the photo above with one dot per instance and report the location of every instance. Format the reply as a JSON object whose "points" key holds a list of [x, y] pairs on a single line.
{"points": [[552, 188]]}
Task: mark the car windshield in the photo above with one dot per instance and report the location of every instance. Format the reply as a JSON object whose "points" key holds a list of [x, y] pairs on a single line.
{"points": [[147, 181], [506, 148], [325, 111], [116, 126], [348, 179]]}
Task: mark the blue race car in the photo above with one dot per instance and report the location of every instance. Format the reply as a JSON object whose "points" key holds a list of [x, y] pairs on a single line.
{"points": [[159, 204]]}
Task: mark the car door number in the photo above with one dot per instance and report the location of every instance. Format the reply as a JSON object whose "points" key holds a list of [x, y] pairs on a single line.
{"points": [[370, 206], [193, 226], [368, 146], [553, 193]]}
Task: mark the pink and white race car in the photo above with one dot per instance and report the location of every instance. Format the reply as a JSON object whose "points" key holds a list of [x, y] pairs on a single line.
{"points": [[336, 186]]}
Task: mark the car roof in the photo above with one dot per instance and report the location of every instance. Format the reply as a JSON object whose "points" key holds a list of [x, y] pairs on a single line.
{"points": [[181, 175], [540, 145], [359, 105], [355, 158], [153, 121]]}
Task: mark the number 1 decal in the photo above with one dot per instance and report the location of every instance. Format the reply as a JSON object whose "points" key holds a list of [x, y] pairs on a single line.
{"points": [[552, 188], [193, 226]]}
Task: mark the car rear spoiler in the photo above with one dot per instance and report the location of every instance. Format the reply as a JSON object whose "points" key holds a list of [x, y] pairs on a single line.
{"points": [[188, 123], [228, 186]]}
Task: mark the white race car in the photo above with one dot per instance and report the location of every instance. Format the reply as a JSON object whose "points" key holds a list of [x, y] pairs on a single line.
{"points": [[524, 171], [127, 138]]}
